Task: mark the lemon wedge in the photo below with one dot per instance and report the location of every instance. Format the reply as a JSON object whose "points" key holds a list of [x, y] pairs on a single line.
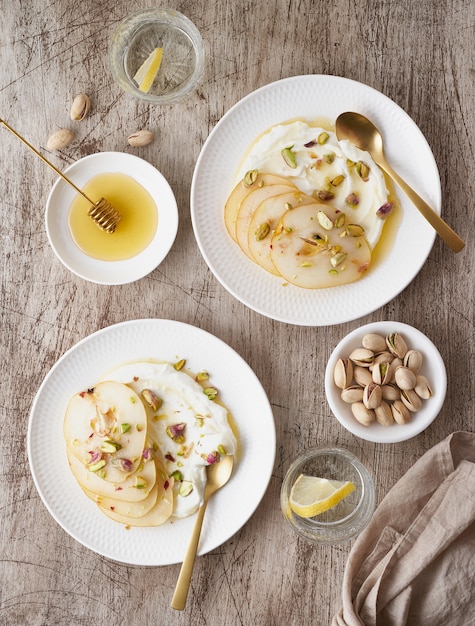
{"points": [[311, 495], [148, 70]]}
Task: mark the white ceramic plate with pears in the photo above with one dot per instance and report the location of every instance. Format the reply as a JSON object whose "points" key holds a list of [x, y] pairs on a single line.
{"points": [[407, 241], [151, 339], [152, 224]]}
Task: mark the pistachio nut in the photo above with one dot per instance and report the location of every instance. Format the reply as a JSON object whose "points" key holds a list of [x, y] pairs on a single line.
{"points": [[384, 414], [372, 396], [250, 178], [422, 387], [353, 393], [374, 342], [405, 378], [396, 345], [411, 400], [362, 376], [382, 357], [400, 412], [343, 373], [390, 392], [262, 231], [324, 221], [413, 360], [60, 139], [381, 373], [140, 138], [80, 107], [362, 357], [151, 399], [395, 363], [364, 415]]}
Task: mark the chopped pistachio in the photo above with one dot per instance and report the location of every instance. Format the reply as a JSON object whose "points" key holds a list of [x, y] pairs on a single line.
{"points": [[352, 198], [337, 180], [124, 427], [323, 194], [186, 488], [110, 446], [262, 231], [95, 467], [140, 483], [151, 399], [179, 365], [211, 392], [250, 178], [221, 450], [289, 157], [203, 375], [362, 170], [324, 221], [323, 138]]}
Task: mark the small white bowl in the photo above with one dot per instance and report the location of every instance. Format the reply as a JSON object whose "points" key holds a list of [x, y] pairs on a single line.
{"points": [[62, 195], [433, 368]]}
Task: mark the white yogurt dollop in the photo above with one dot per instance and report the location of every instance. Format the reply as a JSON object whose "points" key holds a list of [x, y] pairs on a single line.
{"points": [[206, 430], [317, 165]]}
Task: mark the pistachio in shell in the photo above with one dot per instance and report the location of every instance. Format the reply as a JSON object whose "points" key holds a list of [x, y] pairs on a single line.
{"points": [[353, 393], [60, 139], [384, 414], [422, 387], [374, 342], [140, 138], [405, 378], [396, 345], [80, 107], [362, 414], [400, 412], [362, 357], [343, 373]]}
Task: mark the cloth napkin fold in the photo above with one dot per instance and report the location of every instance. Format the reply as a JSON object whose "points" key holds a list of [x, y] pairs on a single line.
{"points": [[414, 564]]}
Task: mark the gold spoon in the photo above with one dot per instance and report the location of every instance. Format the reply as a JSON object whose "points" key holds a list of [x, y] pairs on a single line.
{"points": [[103, 213], [217, 475], [364, 134]]}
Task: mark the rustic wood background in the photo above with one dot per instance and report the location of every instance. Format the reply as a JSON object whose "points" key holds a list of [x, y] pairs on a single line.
{"points": [[420, 54]]}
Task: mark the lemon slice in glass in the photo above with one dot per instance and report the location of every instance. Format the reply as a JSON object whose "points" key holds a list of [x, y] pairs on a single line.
{"points": [[148, 70], [311, 495]]}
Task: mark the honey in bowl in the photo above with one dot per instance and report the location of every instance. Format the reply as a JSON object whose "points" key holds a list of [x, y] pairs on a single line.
{"points": [[136, 229]]}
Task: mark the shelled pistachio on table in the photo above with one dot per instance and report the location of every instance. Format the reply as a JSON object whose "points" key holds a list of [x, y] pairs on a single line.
{"points": [[381, 380]]}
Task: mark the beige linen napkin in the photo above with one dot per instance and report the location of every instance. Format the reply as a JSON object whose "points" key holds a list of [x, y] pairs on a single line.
{"points": [[414, 565]]}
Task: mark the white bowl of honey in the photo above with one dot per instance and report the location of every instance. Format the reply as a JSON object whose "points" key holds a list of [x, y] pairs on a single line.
{"points": [[144, 235]]}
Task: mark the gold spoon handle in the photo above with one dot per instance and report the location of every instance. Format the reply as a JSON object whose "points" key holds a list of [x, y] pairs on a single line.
{"points": [[45, 160], [448, 235], [183, 582]]}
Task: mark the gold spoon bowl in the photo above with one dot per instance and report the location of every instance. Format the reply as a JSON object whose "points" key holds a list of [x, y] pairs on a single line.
{"points": [[363, 133]]}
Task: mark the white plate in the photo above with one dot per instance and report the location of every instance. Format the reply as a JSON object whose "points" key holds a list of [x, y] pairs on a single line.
{"points": [[111, 272], [433, 368], [311, 97], [80, 368]]}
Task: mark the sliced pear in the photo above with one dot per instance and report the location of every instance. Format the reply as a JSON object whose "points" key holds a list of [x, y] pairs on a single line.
{"points": [[134, 488], [107, 423], [123, 507], [265, 220], [156, 516], [315, 247], [248, 207], [240, 191]]}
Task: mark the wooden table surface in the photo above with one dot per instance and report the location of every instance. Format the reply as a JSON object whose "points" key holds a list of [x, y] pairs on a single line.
{"points": [[419, 54]]}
